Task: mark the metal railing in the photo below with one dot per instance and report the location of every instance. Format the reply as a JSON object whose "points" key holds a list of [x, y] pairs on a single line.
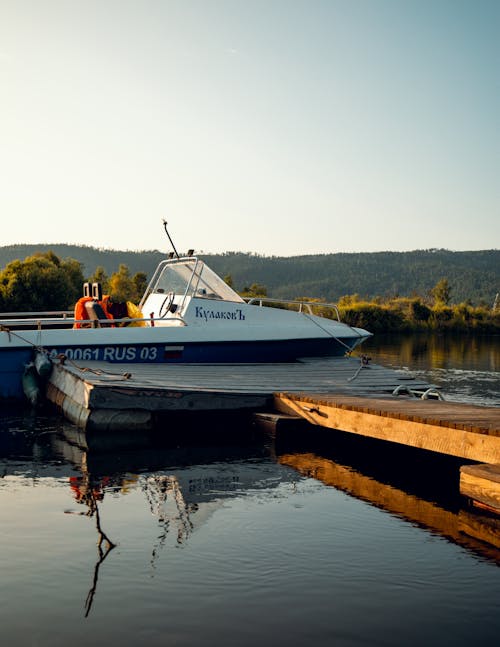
{"points": [[32, 322], [37, 315], [300, 305]]}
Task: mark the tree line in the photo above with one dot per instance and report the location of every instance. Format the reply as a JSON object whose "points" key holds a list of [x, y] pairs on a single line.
{"points": [[45, 282], [474, 276]]}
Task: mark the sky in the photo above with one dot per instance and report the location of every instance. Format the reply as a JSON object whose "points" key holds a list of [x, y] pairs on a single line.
{"points": [[280, 127]]}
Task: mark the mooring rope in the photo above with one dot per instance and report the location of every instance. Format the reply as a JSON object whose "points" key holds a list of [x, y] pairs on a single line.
{"points": [[330, 334], [26, 341], [365, 361], [63, 359]]}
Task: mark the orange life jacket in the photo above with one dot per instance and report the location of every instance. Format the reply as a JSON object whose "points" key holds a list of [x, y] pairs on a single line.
{"points": [[81, 310]]}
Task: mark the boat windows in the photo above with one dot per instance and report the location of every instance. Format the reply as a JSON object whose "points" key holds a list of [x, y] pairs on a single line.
{"points": [[194, 279], [208, 285], [174, 278]]}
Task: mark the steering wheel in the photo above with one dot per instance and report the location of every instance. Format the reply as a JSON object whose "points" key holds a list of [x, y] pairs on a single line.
{"points": [[166, 305]]}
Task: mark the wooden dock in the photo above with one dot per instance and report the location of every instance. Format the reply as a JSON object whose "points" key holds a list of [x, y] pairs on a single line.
{"points": [[342, 393], [110, 396], [467, 431], [481, 483], [462, 430]]}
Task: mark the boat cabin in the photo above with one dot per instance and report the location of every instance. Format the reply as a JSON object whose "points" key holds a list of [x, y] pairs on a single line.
{"points": [[176, 283]]}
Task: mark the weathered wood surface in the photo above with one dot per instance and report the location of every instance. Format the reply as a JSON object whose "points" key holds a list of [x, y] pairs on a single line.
{"points": [[482, 484], [322, 375], [454, 415], [467, 431], [82, 388]]}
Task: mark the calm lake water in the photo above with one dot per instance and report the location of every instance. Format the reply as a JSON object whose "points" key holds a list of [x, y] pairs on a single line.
{"points": [[245, 540]]}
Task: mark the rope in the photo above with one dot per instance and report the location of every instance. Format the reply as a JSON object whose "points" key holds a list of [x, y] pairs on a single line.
{"points": [[26, 341], [330, 334], [87, 369], [5, 329], [365, 361]]}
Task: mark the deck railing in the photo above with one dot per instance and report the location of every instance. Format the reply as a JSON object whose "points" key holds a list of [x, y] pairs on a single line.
{"points": [[44, 320], [299, 306]]}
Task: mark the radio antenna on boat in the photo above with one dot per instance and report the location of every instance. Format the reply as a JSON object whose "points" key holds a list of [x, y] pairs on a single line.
{"points": [[171, 241]]}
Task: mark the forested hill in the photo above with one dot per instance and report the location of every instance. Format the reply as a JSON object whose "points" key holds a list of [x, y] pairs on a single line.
{"points": [[473, 276]]}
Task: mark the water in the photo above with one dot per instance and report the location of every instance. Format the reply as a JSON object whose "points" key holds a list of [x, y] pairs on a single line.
{"points": [[465, 368], [324, 539]]}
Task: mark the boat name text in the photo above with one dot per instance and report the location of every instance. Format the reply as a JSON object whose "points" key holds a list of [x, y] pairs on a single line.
{"points": [[203, 313]]}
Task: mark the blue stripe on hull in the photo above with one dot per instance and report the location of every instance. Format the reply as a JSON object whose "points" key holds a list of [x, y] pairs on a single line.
{"points": [[252, 352], [213, 353]]}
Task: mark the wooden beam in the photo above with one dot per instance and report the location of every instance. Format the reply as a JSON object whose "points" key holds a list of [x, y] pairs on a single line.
{"points": [[375, 420], [481, 483], [273, 423]]}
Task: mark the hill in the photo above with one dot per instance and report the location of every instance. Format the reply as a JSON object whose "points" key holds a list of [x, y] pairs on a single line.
{"points": [[472, 275]]}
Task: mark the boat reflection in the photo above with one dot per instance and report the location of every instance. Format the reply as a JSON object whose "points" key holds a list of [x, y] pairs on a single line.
{"points": [[88, 493], [182, 485]]}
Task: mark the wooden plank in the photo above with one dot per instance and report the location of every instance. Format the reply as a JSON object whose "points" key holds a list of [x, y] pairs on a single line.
{"points": [[98, 386], [453, 415], [488, 472], [481, 483], [323, 376], [438, 438]]}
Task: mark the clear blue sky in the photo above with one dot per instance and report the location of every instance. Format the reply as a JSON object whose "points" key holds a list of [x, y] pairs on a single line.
{"points": [[279, 127]]}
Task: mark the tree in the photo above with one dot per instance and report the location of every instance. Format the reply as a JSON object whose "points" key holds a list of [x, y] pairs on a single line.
{"points": [[100, 276], [441, 292], [140, 281], [348, 300], [121, 287], [40, 282], [255, 290], [73, 271], [419, 311]]}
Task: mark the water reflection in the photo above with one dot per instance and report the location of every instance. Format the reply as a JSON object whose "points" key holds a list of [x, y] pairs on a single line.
{"points": [[183, 486], [444, 351], [414, 486], [465, 367], [88, 493]]}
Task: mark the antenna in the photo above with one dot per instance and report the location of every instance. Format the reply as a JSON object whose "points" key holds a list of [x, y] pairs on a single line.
{"points": [[171, 242]]}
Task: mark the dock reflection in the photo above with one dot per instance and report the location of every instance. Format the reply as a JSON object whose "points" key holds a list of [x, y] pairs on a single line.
{"points": [[418, 487]]}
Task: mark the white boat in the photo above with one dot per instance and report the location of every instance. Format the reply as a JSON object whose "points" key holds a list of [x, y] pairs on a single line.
{"points": [[189, 314]]}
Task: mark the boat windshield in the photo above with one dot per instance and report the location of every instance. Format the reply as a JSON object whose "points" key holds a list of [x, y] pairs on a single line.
{"points": [[191, 277]]}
